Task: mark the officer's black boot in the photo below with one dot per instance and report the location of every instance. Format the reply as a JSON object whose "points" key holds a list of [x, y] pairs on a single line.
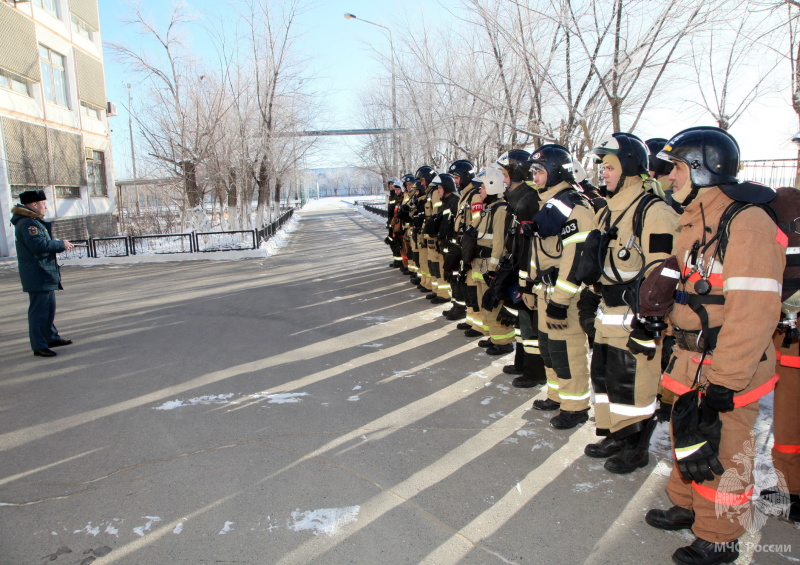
{"points": [[566, 419], [533, 372], [519, 361], [636, 452], [703, 552]]}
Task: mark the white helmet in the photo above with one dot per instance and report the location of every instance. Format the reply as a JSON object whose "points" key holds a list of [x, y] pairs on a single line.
{"points": [[492, 179]]}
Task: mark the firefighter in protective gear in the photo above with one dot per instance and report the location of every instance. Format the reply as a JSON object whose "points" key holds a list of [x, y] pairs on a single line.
{"points": [[660, 169], [731, 258], [424, 175], [559, 230], [440, 292], [491, 227], [395, 223], [474, 326], [407, 248], [462, 172], [786, 448], [637, 229], [445, 229], [523, 202]]}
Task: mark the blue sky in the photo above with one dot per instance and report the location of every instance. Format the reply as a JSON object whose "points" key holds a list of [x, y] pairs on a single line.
{"points": [[343, 64]]}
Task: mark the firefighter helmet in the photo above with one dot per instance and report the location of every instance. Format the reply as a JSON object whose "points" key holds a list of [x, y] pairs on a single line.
{"points": [[629, 149], [465, 171], [556, 161], [515, 163], [660, 167]]}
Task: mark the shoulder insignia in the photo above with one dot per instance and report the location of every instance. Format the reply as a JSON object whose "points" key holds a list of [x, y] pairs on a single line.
{"points": [[33, 230]]}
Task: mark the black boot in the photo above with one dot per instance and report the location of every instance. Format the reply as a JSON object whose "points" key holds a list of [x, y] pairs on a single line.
{"points": [[605, 448], [676, 518], [533, 372], [567, 419], [546, 404], [463, 326], [703, 552], [415, 280], [636, 452], [519, 361], [456, 313]]}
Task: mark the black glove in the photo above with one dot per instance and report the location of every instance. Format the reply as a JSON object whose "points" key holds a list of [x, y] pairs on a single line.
{"points": [[556, 316], [587, 311], [388, 240], [640, 341], [488, 277], [697, 429], [718, 398], [507, 318]]}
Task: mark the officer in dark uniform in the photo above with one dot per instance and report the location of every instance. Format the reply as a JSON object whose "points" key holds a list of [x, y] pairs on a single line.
{"points": [[38, 270]]}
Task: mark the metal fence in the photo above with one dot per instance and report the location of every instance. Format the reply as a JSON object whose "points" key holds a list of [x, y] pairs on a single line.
{"points": [[156, 244], [774, 172], [375, 210]]}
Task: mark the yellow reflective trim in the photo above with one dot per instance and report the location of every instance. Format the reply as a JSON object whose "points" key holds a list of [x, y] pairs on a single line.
{"points": [[576, 238], [566, 286]]}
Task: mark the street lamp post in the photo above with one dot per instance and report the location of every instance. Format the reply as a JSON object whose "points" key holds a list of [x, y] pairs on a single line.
{"points": [[394, 90]]}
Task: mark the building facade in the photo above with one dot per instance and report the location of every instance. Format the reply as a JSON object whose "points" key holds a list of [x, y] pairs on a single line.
{"points": [[54, 131]]}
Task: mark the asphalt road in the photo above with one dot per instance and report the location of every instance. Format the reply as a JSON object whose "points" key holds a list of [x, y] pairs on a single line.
{"points": [[307, 407]]}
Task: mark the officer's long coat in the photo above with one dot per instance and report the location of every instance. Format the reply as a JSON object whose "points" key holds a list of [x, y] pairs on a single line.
{"points": [[36, 251]]}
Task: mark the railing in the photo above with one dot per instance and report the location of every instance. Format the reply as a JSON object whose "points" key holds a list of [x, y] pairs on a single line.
{"points": [[380, 211], [774, 173], [156, 244]]}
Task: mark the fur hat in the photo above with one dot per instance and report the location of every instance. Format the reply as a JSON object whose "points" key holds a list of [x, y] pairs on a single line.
{"points": [[32, 196]]}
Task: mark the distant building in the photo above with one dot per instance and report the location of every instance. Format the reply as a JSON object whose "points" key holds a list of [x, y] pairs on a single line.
{"points": [[54, 131]]}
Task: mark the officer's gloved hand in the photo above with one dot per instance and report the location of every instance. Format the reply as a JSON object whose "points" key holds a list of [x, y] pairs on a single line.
{"points": [[488, 277], [640, 341], [556, 316], [718, 398], [697, 430]]}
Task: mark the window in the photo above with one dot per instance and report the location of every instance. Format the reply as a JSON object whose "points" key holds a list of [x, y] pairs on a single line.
{"points": [[89, 110], [81, 27], [68, 191], [14, 82], [54, 79], [49, 6], [17, 189], [96, 172]]}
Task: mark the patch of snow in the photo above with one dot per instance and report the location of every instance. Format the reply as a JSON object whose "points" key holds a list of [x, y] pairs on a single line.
{"points": [[197, 401], [146, 528], [374, 345], [526, 433], [285, 397], [89, 530], [326, 521], [178, 529], [111, 530], [357, 387], [487, 401], [509, 440], [226, 528], [354, 398]]}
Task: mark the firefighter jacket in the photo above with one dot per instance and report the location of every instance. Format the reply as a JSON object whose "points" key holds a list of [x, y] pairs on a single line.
{"points": [[643, 234], [555, 257], [491, 228], [463, 215], [744, 302]]}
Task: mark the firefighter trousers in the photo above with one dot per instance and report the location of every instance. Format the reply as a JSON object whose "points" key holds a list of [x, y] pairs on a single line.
{"points": [[722, 506], [786, 450], [625, 384]]}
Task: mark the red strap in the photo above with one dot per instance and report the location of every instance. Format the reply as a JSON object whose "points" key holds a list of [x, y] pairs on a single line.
{"points": [[788, 360], [756, 393], [672, 385], [723, 498], [738, 401], [715, 279], [781, 448], [705, 361], [781, 238]]}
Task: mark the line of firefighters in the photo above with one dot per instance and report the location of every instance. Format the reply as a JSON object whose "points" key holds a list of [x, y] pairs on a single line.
{"points": [[674, 273]]}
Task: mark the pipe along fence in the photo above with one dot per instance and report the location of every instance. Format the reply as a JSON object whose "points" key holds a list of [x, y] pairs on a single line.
{"points": [[192, 242]]}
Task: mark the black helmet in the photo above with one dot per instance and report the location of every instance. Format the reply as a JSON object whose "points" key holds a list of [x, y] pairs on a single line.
{"points": [[629, 149], [660, 167], [425, 172], [408, 177], [515, 162], [556, 162], [712, 155], [465, 171], [447, 182]]}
